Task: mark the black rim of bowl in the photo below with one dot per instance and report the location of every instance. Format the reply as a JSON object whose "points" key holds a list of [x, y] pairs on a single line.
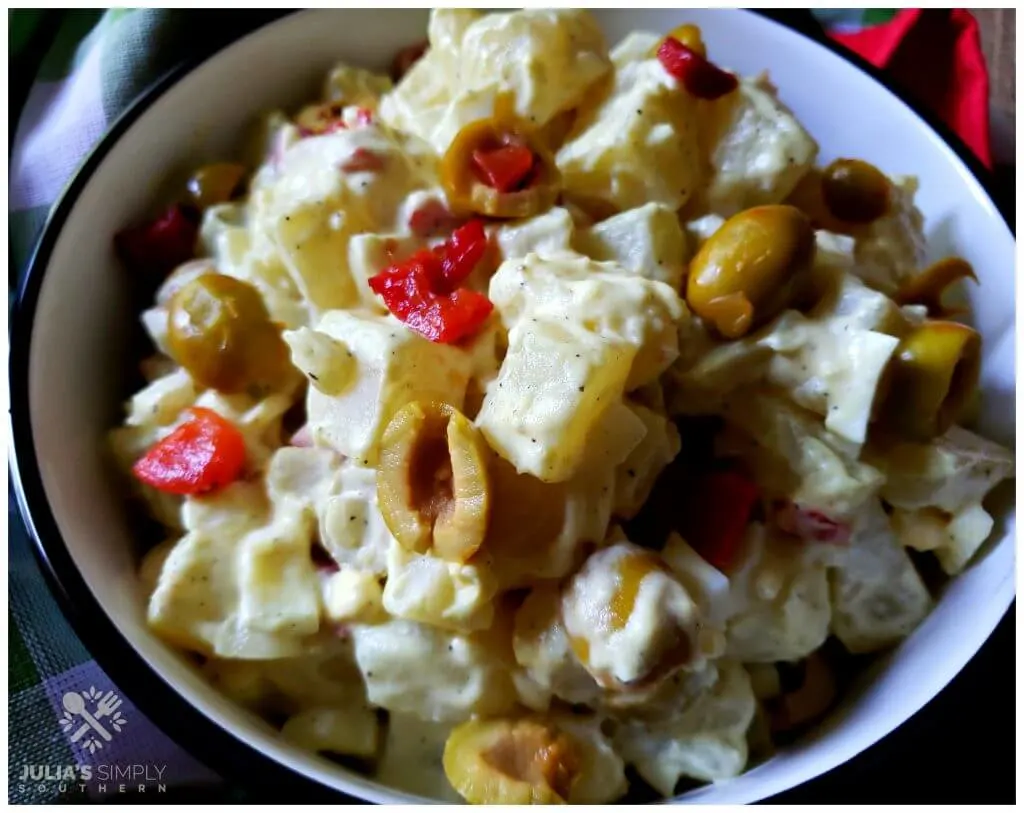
{"points": [[224, 752]]}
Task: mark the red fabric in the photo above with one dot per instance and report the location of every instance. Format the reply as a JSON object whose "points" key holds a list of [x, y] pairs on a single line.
{"points": [[936, 56]]}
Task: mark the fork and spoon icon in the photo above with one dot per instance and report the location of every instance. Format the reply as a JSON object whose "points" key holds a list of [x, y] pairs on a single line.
{"points": [[74, 704]]}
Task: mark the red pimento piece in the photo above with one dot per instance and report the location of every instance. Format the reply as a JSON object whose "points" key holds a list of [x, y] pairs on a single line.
{"points": [[718, 510], [702, 78], [461, 253], [158, 247], [202, 455], [504, 168], [432, 218], [810, 525], [363, 160], [422, 291]]}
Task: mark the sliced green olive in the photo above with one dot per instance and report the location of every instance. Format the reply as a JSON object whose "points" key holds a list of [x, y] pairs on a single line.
{"points": [[928, 287], [468, 196], [931, 379], [432, 482], [855, 191], [220, 331], [756, 264], [510, 762]]}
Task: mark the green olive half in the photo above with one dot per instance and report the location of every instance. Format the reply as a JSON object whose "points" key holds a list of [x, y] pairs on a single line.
{"points": [[855, 191], [931, 379], [219, 330], [755, 265]]}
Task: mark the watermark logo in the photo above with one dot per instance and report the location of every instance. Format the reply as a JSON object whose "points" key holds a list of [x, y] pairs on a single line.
{"points": [[83, 712]]}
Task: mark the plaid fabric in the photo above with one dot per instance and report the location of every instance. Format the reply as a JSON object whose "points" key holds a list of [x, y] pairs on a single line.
{"points": [[95, 65]]}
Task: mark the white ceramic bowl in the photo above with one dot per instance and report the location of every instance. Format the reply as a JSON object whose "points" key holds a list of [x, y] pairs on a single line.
{"points": [[70, 350]]}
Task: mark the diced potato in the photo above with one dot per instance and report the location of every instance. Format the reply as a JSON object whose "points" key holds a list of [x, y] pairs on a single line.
{"points": [[355, 86], [968, 530], [546, 235], [230, 512], [258, 419], [601, 297], [250, 254], [780, 593], [437, 675], [891, 249], [635, 476], [554, 386], [951, 473], [834, 251], [420, 100], [326, 362], [162, 402], [704, 736], [311, 213], [543, 530], [352, 595], [543, 650], [647, 241], [699, 230], [793, 456], [833, 360], [878, 598], [448, 27], [411, 758], [276, 578], [602, 774], [352, 529], [636, 46], [442, 594], [757, 150], [708, 585], [395, 365], [325, 675], [202, 603], [465, 107], [549, 58], [351, 731], [153, 564], [304, 475], [638, 146]]}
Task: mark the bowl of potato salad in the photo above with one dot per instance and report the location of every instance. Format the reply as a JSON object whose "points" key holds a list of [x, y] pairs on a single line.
{"points": [[523, 407]]}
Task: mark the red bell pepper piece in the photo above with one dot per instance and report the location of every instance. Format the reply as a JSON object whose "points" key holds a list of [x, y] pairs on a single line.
{"points": [[702, 78], [423, 290], [810, 525], [158, 247], [363, 160], [504, 168], [461, 252], [364, 116], [718, 510], [202, 455], [432, 219]]}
